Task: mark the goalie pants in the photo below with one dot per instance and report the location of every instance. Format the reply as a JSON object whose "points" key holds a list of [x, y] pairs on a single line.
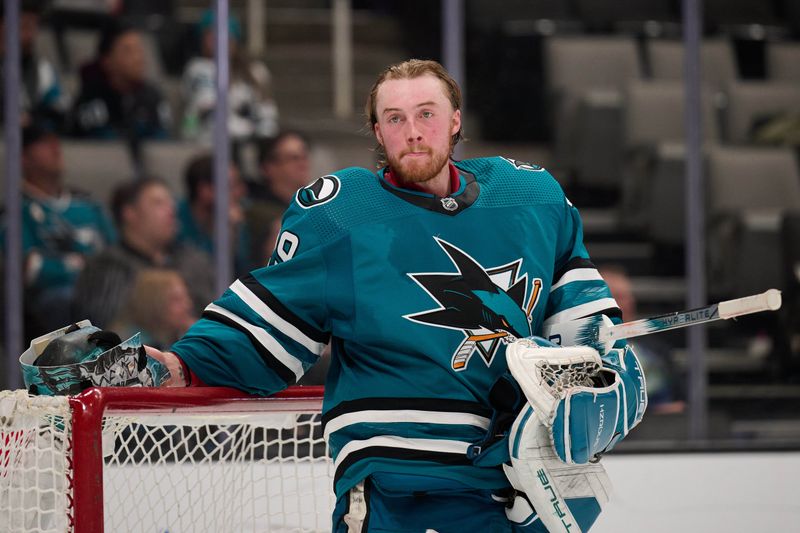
{"points": [[368, 509]]}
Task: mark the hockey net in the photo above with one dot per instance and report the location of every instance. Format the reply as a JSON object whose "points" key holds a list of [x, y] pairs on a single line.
{"points": [[164, 460]]}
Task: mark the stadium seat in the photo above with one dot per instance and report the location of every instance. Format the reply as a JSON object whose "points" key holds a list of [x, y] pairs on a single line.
{"points": [[749, 178], [783, 61], [665, 60], [484, 14], [749, 192], [654, 113], [752, 102], [665, 197], [502, 41], [749, 19], [586, 76], [650, 17], [168, 160], [654, 136], [722, 12], [96, 167]]}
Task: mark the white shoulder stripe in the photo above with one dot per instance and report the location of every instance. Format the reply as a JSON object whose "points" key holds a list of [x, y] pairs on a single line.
{"points": [[404, 415], [428, 445], [580, 311], [578, 274], [265, 339], [287, 328]]}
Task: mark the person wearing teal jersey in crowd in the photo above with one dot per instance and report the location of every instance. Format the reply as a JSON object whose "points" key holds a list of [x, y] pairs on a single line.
{"points": [[61, 228]]}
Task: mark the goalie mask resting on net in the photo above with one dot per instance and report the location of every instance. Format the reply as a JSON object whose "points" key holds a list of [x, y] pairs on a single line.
{"points": [[73, 358], [579, 405]]}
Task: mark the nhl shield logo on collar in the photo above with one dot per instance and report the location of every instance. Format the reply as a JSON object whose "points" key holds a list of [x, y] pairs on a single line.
{"points": [[449, 204]]}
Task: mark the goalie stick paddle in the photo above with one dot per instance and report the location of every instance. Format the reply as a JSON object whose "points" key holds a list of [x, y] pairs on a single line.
{"points": [[600, 333]]}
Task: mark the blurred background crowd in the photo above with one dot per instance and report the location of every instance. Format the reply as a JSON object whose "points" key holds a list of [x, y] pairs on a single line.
{"points": [[118, 195]]}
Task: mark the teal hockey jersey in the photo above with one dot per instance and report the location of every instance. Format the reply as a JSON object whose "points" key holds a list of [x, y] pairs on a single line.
{"points": [[53, 230], [418, 295]]}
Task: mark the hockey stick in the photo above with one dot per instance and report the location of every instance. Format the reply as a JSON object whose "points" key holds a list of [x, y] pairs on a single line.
{"points": [[600, 333]]}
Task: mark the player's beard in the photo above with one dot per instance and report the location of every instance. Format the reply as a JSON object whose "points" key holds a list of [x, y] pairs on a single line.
{"points": [[414, 171]]}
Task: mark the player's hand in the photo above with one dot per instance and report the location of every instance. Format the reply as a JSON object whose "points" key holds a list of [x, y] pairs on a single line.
{"points": [[173, 364], [587, 403]]}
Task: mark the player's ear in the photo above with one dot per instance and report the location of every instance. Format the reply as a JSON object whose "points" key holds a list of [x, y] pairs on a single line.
{"points": [[377, 129], [456, 127]]}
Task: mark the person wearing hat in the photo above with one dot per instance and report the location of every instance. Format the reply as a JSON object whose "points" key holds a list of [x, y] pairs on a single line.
{"points": [[60, 229]]}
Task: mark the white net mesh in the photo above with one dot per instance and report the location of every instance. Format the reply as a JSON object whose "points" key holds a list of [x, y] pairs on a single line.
{"points": [[561, 377], [169, 472], [34, 488], [562, 373]]}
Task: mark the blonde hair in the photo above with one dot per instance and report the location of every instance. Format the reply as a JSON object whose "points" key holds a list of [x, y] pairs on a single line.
{"points": [[410, 69], [147, 300]]}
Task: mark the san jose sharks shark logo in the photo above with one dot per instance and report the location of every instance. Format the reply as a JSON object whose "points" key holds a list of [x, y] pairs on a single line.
{"points": [[489, 306]]}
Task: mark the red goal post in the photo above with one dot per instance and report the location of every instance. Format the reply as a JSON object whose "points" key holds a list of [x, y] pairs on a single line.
{"points": [[152, 432]]}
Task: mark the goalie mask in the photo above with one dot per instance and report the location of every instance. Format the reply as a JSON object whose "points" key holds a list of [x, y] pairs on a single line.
{"points": [[74, 358]]}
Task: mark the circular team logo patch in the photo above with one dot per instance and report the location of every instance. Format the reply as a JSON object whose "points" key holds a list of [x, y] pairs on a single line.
{"points": [[321, 191]]}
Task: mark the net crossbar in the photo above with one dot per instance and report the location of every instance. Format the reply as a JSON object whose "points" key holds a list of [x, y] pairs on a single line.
{"points": [[164, 460]]}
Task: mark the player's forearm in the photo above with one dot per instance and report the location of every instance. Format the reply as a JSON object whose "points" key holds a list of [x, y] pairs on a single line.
{"points": [[190, 379], [223, 356]]}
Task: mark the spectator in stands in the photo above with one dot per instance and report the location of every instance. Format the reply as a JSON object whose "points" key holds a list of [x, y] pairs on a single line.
{"points": [[144, 212], [662, 393], [284, 166], [61, 228], [159, 307], [253, 113], [41, 95], [196, 214], [116, 100]]}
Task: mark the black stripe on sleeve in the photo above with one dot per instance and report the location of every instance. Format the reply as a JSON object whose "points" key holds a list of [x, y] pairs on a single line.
{"points": [[270, 360], [281, 310], [388, 452], [572, 264], [397, 404]]}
